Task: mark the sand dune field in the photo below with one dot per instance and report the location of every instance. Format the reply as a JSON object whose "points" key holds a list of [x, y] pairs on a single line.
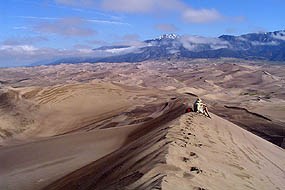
{"points": [[124, 126]]}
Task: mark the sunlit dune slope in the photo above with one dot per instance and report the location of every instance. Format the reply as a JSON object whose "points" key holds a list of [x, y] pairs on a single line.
{"points": [[33, 112], [35, 164], [191, 152]]}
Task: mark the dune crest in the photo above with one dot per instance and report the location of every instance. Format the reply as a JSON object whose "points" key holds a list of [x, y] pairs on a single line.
{"points": [[190, 152]]}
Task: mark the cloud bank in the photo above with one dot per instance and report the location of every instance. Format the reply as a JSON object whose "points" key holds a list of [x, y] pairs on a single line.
{"points": [[196, 43], [24, 40], [65, 27], [187, 13], [201, 15], [279, 36], [20, 55]]}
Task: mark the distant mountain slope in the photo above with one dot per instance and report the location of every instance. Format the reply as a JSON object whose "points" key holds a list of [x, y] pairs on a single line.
{"points": [[261, 46]]}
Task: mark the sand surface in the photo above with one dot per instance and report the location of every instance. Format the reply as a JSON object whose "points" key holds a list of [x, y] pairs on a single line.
{"points": [[222, 156], [123, 126], [190, 152], [34, 165], [252, 85]]}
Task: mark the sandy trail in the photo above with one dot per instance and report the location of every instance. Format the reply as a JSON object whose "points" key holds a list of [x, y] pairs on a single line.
{"points": [[220, 155], [191, 152]]}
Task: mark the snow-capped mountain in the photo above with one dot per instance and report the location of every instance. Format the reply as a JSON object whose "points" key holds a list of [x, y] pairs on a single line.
{"points": [[168, 36], [264, 46]]}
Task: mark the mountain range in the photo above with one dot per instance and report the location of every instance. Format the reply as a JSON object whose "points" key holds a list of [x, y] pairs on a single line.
{"points": [[255, 46]]}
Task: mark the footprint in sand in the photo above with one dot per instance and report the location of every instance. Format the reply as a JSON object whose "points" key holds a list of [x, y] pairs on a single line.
{"points": [[198, 144], [183, 145], [185, 159], [199, 188], [196, 170], [186, 137], [193, 154]]}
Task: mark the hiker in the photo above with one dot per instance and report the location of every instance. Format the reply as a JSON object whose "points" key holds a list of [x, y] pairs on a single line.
{"points": [[200, 107]]}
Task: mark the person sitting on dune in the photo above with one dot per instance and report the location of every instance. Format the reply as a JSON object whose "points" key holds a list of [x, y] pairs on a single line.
{"points": [[200, 107]]}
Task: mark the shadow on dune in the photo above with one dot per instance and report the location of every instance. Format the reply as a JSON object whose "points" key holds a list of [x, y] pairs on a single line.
{"points": [[120, 168], [253, 122]]}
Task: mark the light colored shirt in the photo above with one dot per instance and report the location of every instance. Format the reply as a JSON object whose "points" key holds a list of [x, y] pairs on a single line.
{"points": [[200, 107]]}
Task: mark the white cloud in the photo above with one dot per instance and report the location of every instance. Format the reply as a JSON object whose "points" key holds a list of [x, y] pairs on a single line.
{"points": [[201, 15], [203, 40], [194, 43], [120, 50], [20, 55], [85, 51], [99, 21], [128, 6], [272, 43], [66, 27], [131, 6], [19, 48], [189, 14], [37, 18], [108, 22], [241, 38], [77, 3], [84, 6], [97, 42], [17, 55], [166, 27], [125, 40], [139, 6], [24, 40], [279, 35]]}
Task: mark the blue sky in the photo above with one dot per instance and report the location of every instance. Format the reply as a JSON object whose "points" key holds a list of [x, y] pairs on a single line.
{"points": [[45, 27]]}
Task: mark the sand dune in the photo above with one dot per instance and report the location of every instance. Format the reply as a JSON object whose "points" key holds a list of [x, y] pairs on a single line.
{"points": [[191, 152], [58, 110], [36, 112], [123, 126], [14, 117], [224, 157], [36, 164]]}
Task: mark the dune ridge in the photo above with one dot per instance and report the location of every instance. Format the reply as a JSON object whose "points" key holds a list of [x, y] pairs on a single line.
{"points": [[123, 126], [42, 161], [190, 152], [253, 85]]}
